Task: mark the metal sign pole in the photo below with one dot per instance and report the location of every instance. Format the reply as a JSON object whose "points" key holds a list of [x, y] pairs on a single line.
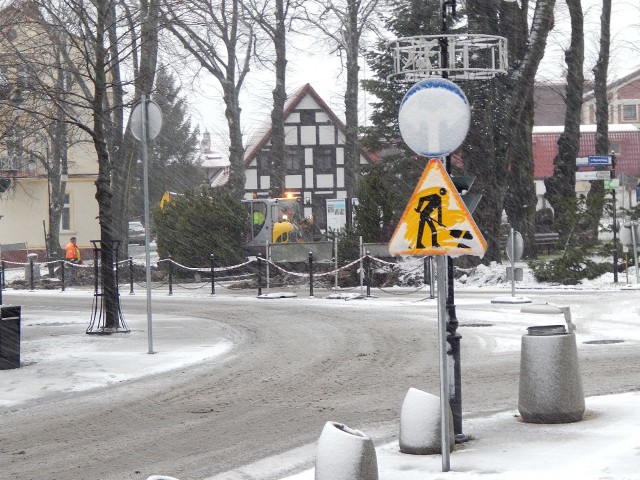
{"points": [[513, 262], [267, 262], [335, 255], [634, 241], [441, 262], [145, 181]]}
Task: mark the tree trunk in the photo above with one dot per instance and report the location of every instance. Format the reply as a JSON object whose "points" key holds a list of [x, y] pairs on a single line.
{"points": [[103, 182], [561, 187], [521, 200], [595, 198], [277, 153], [498, 107], [352, 151]]}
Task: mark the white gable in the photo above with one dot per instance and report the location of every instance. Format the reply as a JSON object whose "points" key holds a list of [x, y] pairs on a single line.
{"points": [[307, 103]]}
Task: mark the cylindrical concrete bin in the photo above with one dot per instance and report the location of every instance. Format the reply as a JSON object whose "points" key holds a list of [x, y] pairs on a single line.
{"points": [[345, 454], [550, 382], [420, 424]]}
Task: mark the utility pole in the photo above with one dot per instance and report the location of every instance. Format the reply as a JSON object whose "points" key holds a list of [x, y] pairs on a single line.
{"points": [[614, 252]]}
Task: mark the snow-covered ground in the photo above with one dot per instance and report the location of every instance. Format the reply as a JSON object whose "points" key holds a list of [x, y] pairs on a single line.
{"points": [[604, 445]]}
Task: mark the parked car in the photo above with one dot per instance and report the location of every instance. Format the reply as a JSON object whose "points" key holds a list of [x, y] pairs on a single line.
{"points": [[136, 233]]}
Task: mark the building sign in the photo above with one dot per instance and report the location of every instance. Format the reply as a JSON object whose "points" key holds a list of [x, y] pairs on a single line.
{"points": [[336, 214]]}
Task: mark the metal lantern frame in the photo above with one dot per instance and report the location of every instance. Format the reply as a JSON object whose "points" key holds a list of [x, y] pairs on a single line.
{"points": [[468, 57]]}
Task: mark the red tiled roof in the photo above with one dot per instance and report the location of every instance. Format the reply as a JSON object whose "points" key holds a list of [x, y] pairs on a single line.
{"points": [[545, 148]]}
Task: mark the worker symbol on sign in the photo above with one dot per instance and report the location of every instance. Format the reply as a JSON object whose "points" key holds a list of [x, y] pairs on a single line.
{"points": [[427, 205], [436, 203]]}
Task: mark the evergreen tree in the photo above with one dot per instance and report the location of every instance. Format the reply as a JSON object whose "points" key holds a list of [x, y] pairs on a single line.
{"points": [[399, 169], [172, 155], [193, 226]]}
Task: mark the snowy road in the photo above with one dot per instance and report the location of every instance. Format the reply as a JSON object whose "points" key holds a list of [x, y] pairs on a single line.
{"points": [[296, 364]]}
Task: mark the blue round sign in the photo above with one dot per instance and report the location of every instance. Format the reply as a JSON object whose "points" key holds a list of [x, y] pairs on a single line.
{"points": [[434, 117]]}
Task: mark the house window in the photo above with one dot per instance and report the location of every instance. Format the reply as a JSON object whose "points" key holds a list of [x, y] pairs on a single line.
{"points": [[293, 160], [264, 162], [614, 147], [324, 159], [65, 220], [307, 117], [629, 113]]}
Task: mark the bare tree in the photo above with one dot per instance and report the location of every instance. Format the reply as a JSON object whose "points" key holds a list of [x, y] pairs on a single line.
{"points": [[595, 198], [344, 23], [561, 187], [490, 151], [101, 48], [216, 36], [45, 136], [274, 18]]}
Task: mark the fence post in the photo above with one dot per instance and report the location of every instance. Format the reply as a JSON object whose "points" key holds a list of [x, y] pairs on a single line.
{"points": [[311, 274], [368, 273], [31, 280], [4, 284], [213, 276], [361, 264], [1, 280], [97, 259], [259, 275], [335, 253], [130, 275], [170, 275], [62, 273]]}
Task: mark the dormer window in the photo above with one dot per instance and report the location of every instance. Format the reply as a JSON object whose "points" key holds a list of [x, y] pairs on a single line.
{"points": [[629, 113]]}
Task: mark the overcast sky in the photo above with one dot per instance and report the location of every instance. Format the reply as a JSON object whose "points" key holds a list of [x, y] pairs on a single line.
{"points": [[308, 65]]}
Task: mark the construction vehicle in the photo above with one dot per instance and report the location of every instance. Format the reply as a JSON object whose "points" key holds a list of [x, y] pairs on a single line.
{"points": [[275, 220]]}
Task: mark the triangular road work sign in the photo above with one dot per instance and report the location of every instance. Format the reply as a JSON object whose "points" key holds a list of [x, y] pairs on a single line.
{"points": [[436, 220]]}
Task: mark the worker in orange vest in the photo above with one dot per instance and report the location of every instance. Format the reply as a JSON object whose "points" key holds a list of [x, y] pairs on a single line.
{"points": [[72, 252]]}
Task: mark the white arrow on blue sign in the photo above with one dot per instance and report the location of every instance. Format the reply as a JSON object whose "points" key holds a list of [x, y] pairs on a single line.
{"points": [[593, 160]]}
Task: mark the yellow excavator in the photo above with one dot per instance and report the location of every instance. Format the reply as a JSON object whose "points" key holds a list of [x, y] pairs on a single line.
{"points": [[274, 220]]}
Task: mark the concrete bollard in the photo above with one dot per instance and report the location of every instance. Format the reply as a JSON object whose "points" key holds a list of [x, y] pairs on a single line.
{"points": [[550, 383], [345, 454], [420, 424]]}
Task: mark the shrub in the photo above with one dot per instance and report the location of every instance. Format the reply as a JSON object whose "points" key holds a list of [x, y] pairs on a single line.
{"points": [[192, 227]]}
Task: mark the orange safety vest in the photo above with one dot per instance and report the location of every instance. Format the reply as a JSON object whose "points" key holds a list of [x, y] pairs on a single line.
{"points": [[72, 252]]}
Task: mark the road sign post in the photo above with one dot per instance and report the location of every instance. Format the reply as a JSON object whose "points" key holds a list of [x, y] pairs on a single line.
{"points": [[515, 248], [145, 124], [437, 222]]}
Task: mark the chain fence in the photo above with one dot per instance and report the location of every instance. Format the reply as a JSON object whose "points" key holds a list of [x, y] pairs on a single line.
{"points": [[257, 272]]}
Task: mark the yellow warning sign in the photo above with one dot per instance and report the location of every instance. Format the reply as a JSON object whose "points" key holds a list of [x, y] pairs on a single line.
{"points": [[436, 220]]}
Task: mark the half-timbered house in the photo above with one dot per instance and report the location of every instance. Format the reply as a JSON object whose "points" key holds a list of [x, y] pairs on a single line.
{"points": [[315, 156]]}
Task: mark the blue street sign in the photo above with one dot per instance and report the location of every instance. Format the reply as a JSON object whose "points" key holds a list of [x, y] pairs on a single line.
{"points": [[599, 160]]}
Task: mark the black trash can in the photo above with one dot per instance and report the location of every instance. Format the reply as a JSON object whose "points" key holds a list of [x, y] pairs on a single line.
{"points": [[10, 336]]}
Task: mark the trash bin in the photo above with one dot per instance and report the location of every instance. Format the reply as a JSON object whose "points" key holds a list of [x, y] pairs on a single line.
{"points": [[10, 336], [550, 383]]}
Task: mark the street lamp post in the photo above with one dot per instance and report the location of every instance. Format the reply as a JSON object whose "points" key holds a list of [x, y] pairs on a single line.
{"points": [[453, 337], [467, 57]]}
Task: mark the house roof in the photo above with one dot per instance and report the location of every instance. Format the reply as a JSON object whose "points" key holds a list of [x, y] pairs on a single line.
{"points": [[261, 138], [549, 103], [631, 77], [545, 148], [549, 98]]}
